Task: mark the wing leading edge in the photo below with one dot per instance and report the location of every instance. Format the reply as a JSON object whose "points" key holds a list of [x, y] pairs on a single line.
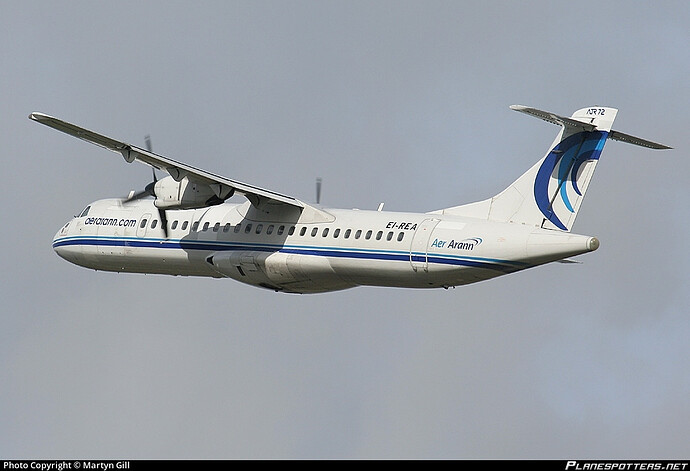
{"points": [[221, 186]]}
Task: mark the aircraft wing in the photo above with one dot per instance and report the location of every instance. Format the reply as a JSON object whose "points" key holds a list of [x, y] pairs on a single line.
{"points": [[222, 186]]}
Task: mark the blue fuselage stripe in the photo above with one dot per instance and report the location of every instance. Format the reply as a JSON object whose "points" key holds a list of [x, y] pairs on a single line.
{"points": [[505, 266]]}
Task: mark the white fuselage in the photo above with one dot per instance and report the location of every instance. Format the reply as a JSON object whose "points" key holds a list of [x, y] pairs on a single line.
{"points": [[308, 252]]}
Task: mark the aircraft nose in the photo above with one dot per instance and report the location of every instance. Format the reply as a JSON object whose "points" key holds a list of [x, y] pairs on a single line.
{"points": [[60, 241]]}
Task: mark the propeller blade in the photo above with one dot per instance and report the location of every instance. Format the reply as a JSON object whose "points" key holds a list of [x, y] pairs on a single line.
{"points": [[318, 190], [137, 196], [153, 169], [164, 221], [149, 190]]}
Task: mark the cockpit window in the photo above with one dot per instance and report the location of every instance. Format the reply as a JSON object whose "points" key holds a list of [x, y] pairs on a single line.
{"points": [[85, 212]]}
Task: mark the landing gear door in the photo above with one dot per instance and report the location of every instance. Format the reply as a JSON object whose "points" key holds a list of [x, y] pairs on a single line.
{"points": [[419, 248]]}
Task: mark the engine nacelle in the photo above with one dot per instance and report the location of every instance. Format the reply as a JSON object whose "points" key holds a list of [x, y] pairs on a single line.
{"points": [[185, 194]]}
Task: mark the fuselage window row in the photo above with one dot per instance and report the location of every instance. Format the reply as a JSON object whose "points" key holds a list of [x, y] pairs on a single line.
{"points": [[279, 231]]}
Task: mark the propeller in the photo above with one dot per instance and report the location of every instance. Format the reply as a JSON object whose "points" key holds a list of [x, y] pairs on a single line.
{"points": [[318, 190], [149, 190]]}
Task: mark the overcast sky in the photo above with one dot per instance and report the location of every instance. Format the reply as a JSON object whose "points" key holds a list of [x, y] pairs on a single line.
{"points": [[398, 102]]}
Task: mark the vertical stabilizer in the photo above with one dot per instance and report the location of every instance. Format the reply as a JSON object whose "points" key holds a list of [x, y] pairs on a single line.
{"points": [[553, 189], [550, 193]]}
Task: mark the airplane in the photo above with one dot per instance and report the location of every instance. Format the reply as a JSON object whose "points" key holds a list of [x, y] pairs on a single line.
{"points": [[183, 224]]}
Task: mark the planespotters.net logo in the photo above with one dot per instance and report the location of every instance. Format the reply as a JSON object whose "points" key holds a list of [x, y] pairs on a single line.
{"points": [[626, 465]]}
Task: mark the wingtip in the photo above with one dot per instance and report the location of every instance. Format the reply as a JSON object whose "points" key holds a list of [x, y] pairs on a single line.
{"points": [[36, 116]]}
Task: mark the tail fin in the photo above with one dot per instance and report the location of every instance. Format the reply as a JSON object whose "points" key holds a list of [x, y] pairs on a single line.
{"points": [[549, 194]]}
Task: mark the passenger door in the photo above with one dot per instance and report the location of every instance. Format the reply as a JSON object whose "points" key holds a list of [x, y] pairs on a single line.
{"points": [[419, 247]]}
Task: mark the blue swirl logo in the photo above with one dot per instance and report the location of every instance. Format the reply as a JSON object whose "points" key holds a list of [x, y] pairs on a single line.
{"points": [[560, 170]]}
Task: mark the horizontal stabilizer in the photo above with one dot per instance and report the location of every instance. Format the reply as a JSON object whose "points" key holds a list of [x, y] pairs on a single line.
{"points": [[588, 119], [553, 118], [619, 136]]}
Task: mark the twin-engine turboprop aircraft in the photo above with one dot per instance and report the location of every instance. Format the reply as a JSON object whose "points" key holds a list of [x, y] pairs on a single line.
{"points": [[182, 224]]}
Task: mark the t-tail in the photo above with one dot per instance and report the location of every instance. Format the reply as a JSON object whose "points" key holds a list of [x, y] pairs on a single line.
{"points": [[550, 193]]}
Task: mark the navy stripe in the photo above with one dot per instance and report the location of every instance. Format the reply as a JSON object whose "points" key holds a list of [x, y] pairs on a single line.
{"points": [[505, 266]]}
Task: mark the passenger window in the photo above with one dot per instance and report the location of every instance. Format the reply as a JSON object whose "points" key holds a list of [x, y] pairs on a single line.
{"points": [[336, 233], [143, 223], [400, 236], [237, 228], [216, 226], [291, 230], [303, 231], [205, 226], [174, 225], [259, 228], [347, 234], [358, 233], [195, 226], [314, 231], [226, 228], [248, 229], [184, 225], [280, 230], [368, 236], [378, 235], [325, 232], [154, 223], [269, 230], [389, 236]]}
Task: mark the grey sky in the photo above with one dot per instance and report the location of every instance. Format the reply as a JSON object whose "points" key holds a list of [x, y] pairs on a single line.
{"points": [[401, 102]]}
